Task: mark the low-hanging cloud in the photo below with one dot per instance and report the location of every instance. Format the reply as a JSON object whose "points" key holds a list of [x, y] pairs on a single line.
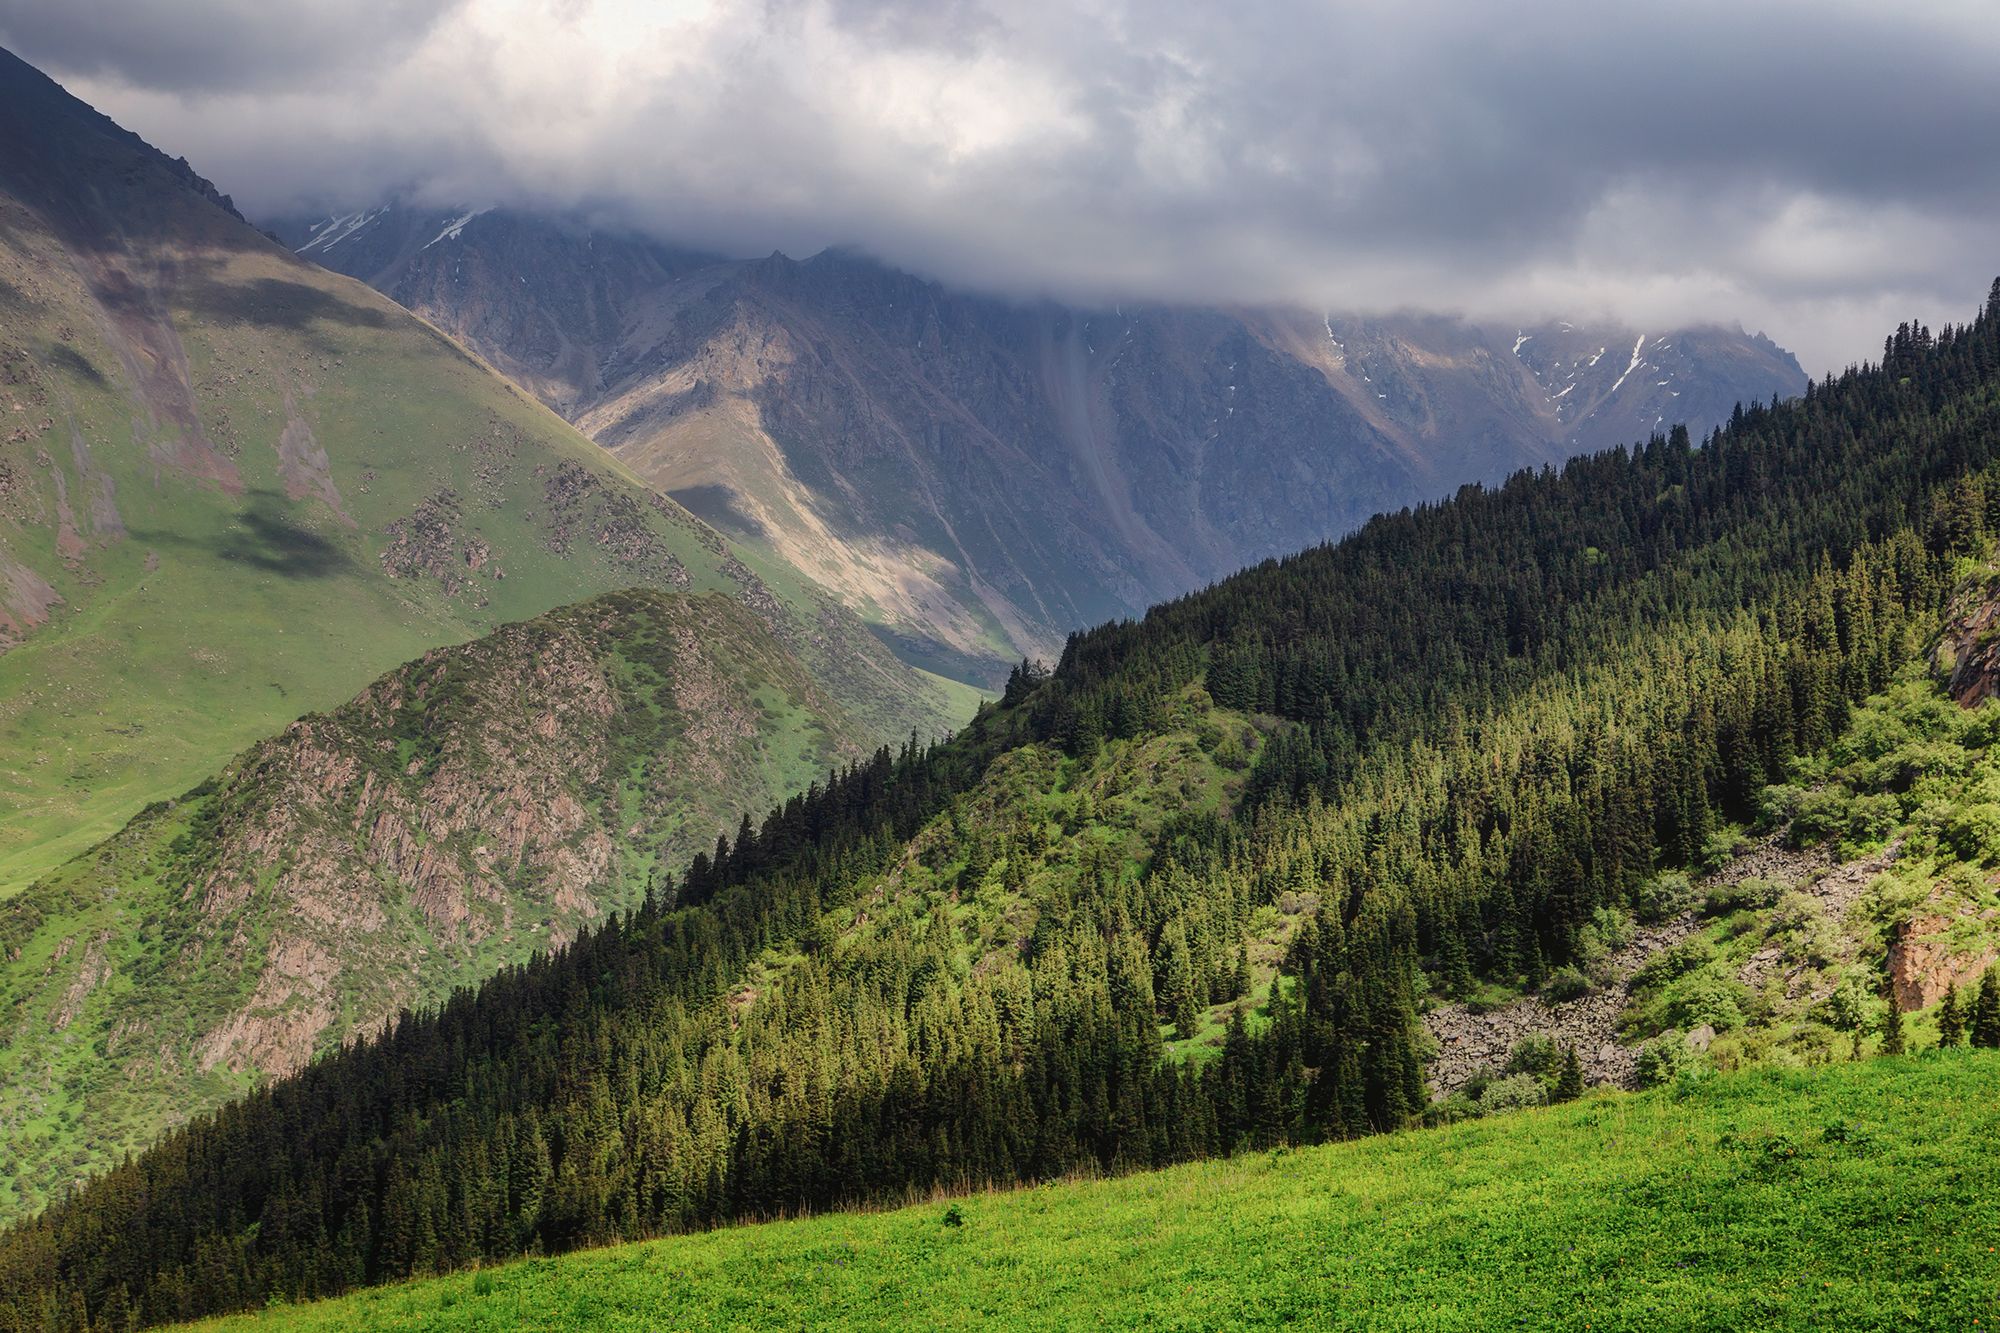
{"points": [[1820, 170]]}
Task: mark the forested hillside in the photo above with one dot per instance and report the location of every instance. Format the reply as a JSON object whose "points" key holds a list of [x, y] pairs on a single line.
{"points": [[1717, 1206], [1293, 807]]}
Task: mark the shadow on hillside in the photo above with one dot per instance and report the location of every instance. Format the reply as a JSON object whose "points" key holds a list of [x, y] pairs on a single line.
{"points": [[263, 536], [717, 507], [275, 303], [76, 363]]}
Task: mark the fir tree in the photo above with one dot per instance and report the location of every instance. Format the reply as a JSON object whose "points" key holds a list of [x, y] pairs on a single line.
{"points": [[1569, 1082], [1951, 1020], [1985, 1026], [1892, 1028]]}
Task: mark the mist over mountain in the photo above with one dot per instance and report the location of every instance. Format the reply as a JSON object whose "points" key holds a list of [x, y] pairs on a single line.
{"points": [[980, 477]]}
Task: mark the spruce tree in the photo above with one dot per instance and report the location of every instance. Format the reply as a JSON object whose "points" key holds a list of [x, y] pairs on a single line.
{"points": [[1951, 1020], [1569, 1083], [1892, 1028], [1986, 1012]]}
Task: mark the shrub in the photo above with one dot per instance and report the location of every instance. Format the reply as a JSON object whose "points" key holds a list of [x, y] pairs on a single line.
{"points": [[1689, 955], [1513, 1092], [1451, 1110], [1663, 1059], [1747, 894], [1532, 1055], [1777, 805], [1705, 998], [1664, 897], [1720, 847], [1973, 834], [1565, 984]]}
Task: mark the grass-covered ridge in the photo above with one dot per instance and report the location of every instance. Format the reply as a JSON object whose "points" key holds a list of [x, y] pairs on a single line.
{"points": [[467, 809], [1856, 1196]]}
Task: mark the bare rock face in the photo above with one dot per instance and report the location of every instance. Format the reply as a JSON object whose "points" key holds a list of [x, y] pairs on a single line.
{"points": [[1923, 964], [1970, 649]]}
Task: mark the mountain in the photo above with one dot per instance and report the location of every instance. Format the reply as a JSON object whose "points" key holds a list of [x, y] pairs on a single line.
{"points": [[235, 487], [978, 477], [466, 809], [1199, 889]]}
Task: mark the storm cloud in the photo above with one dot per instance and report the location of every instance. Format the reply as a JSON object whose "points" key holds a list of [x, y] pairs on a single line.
{"points": [[1817, 170]]}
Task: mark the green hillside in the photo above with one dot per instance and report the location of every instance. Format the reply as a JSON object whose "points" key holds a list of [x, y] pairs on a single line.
{"points": [[1856, 1196], [480, 803], [235, 488], [1196, 892]]}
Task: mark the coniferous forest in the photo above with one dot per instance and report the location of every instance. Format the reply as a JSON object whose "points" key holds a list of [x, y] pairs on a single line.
{"points": [[1459, 734]]}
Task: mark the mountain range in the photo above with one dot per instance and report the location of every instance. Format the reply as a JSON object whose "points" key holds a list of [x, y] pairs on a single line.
{"points": [[977, 477]]}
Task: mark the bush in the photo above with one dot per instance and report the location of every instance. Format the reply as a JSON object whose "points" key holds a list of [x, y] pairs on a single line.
{"points": [[1748, 894], [1720, 847], [1451, 1110], [1705, 998], [1512, 1093], [1689, 955], [1664, 1059], [1973, 834], [1565, 984], [1801, 924], [1664, 897], [1777, 805], [1610, 929], [1532, 1055]]}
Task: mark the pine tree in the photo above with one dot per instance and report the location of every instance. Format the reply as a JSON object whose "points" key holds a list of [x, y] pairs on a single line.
{"points": [[1986, 1012], [1892, 1028], [1569, 1083], [1951, 1020]]}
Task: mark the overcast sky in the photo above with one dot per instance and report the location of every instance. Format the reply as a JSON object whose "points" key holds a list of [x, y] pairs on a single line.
{"points": [[1817, 170]]}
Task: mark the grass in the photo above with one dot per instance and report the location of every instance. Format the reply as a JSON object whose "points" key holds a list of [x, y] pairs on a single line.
{"points": [[1854, 1196]]}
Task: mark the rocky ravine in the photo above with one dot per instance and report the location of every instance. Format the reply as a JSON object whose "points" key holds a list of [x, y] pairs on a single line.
{"points": [[1469, 1042]]}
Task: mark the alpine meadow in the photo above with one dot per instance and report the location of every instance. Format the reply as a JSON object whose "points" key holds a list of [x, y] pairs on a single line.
{"points": [[1148, 736]]}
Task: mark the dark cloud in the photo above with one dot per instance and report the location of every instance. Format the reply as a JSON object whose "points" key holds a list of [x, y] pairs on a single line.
{"points": [[1817, 169], [211, 45]]}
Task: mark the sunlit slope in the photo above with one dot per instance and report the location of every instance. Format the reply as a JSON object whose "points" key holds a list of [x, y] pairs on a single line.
{"points": [[468, 808], [1853, 1197]]}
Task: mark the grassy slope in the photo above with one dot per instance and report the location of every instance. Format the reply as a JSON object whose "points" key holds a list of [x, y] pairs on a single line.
{"points": [[210, 610], [1856, 1196]]}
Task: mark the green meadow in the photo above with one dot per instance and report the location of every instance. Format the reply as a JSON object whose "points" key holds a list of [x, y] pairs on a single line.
{"points": [[1850, 1196]]}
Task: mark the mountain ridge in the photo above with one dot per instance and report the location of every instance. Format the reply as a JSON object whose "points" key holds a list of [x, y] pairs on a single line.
{"points": [[979, 477]]}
